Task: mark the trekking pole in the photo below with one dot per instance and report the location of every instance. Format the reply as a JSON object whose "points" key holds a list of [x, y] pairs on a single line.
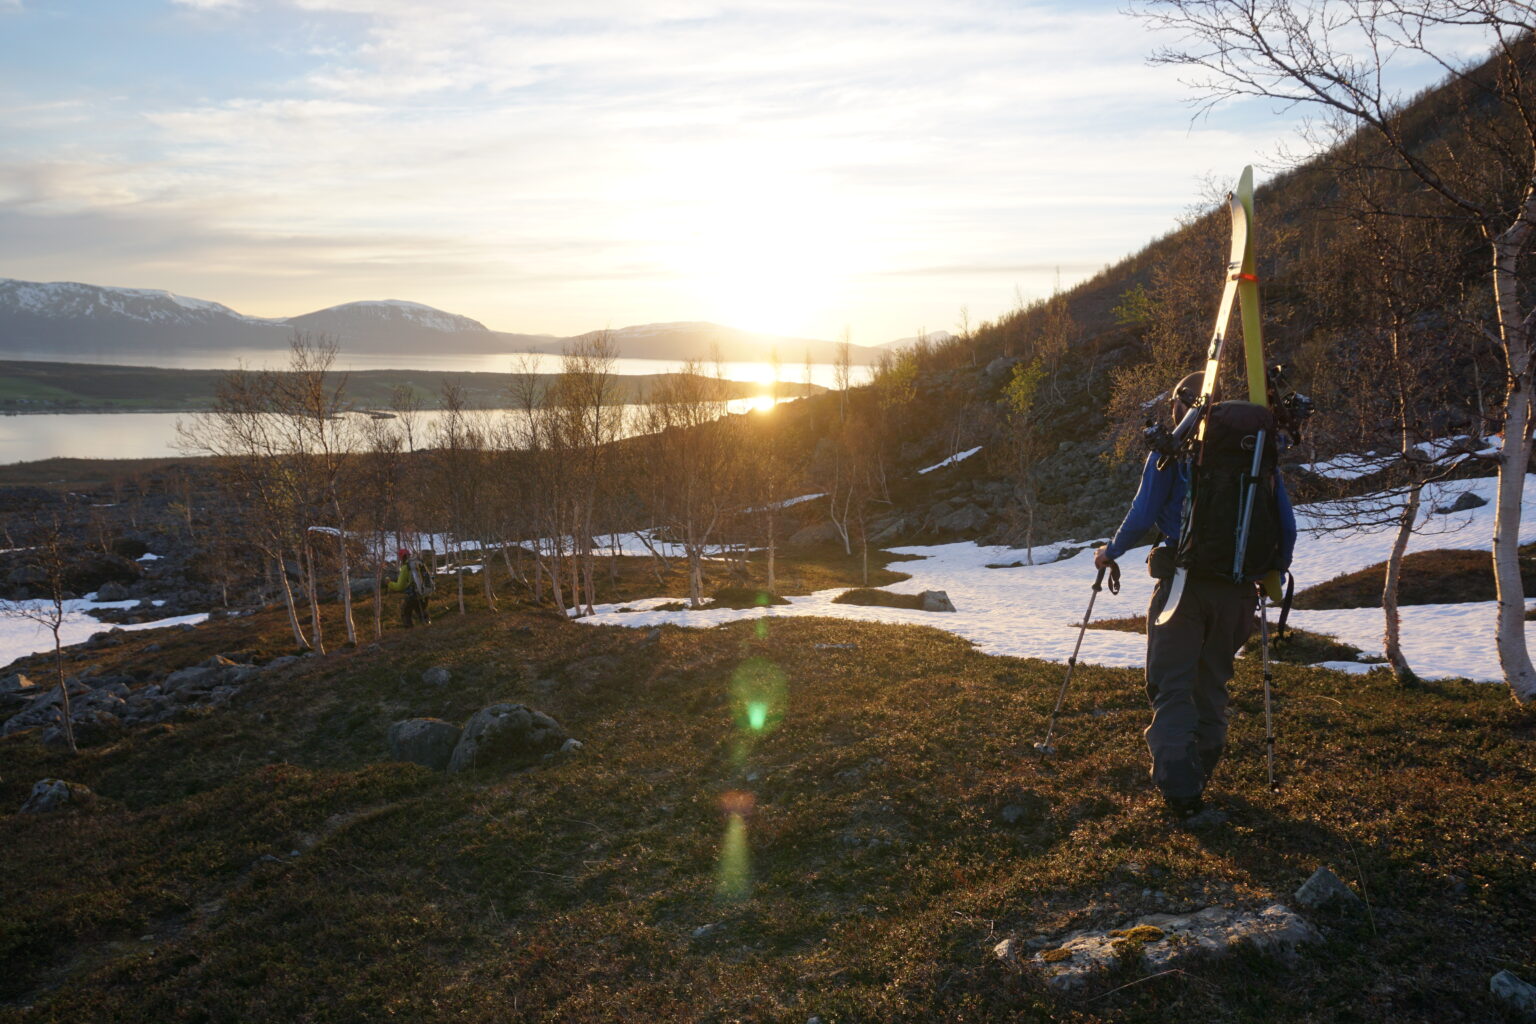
{"points": [[1044, 746], [1269, 721]]}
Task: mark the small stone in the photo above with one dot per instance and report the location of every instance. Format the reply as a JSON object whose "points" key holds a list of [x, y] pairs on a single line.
{"points": [[571, 745], [1515, 992], [705, 930], [1324, 889], [437, 675]]}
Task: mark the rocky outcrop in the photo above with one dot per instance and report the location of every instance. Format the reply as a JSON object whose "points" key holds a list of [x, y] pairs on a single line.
{"points": [[1160, 942], [49, 795], [102, 707], [506, 736]]}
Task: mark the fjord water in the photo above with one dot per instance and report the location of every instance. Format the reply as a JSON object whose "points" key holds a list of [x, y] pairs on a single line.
{"points": [[148, 435]]}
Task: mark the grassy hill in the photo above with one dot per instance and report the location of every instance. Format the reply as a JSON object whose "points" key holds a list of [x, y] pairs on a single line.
{"points": [[855, 860]]}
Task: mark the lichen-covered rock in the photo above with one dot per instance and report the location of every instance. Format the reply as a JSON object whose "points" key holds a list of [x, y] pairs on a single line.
{"points": [[506, 736], [1325, 889], [50, 795], [424, 741], [1160, 942], [437, 675]]}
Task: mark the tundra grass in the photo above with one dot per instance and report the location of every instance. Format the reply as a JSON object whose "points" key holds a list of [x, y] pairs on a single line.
{"points": [[768, 822]]}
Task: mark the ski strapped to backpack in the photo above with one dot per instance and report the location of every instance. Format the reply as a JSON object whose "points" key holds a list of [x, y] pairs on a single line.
{"points": [[1230, 522]]}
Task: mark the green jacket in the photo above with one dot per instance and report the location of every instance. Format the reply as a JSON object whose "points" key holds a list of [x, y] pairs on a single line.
{"points": [[402, 582], [413, 578]]}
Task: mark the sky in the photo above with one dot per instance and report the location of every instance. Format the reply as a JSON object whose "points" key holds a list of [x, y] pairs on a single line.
{"points": [[804, 167]]}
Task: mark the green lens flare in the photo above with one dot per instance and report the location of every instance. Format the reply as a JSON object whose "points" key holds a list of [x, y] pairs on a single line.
{"points": [[733, 876], [762, 628], [759, 694]]}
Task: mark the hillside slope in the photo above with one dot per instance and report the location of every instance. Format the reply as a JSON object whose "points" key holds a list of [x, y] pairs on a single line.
{"points": [[858, 858]]}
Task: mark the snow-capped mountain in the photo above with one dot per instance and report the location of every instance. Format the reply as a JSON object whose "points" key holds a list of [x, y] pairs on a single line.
{"points": [[67, 299], [65, 319], [388, 313]]}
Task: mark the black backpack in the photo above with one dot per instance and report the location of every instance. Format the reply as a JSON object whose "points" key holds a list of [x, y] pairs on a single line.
{"points": [[1222, 482]]}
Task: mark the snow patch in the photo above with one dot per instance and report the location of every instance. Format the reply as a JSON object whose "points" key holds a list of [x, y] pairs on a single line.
{"points": [[1033, 611], [957, 457]]}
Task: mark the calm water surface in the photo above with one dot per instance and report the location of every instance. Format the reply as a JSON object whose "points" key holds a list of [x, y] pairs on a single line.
{"points": [[138, 435]]}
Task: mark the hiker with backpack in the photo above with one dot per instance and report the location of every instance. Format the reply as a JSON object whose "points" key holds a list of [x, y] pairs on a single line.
{"points": [[1241, 527], [415, 583]]}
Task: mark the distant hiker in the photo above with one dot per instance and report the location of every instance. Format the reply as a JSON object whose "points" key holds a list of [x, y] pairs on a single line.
{"points": [[1189, 658], [415, 584]]}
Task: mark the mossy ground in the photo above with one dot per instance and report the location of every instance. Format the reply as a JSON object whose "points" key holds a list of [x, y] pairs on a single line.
{"points": [[849, 859], [1444, 576]]}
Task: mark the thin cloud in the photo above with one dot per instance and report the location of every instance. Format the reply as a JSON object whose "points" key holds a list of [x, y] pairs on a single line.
{"points": [[544, 162]]}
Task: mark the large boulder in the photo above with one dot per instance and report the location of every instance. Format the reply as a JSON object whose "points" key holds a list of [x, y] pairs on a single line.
{"points": [[964, 519], [55, 795], [424, 741], [936, 601], [196, 679], [506, 736], [113, 591]]}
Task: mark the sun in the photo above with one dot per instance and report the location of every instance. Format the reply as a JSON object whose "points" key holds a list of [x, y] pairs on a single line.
{"points": [[761, 246]]}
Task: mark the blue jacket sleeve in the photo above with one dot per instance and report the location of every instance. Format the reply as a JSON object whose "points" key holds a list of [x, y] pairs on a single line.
{"points": [[1151, 496], [1287, 523]]}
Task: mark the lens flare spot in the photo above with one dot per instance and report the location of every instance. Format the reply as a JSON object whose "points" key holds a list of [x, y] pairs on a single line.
{"points": [[733, 875], [761, 628], [759, 693]]}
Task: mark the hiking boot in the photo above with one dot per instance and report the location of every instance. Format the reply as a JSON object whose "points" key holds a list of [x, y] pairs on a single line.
{"points": [[1185, 807]]}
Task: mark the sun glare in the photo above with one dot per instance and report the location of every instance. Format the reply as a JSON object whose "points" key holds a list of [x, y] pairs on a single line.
{"points": [[757, 245], [763, 403]]}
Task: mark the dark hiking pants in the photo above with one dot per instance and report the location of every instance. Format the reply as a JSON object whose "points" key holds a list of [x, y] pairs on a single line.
{"points": [[1189, 663], [414, 606]]}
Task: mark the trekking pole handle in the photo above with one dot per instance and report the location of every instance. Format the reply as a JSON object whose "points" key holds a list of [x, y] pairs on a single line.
{"points": [[1113, 568]]}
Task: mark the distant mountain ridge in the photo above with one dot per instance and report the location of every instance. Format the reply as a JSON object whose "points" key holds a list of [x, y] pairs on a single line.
{"points": [[62, 318]]}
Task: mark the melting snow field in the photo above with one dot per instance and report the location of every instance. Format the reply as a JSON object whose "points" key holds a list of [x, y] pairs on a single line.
{"points": [[21, 636], [1033, 611]]}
